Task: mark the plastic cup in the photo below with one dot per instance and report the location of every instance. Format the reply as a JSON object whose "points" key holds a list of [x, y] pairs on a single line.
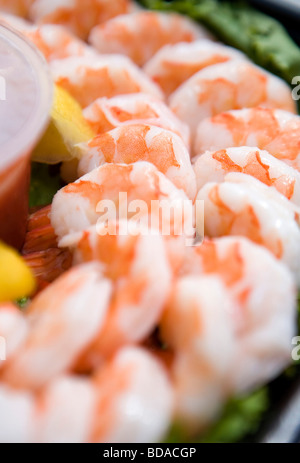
{"points": [[25, 100]]}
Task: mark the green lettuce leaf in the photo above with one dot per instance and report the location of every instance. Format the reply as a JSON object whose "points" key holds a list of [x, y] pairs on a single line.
{"points": [[261, 37], [45, 182], [241, 417]]}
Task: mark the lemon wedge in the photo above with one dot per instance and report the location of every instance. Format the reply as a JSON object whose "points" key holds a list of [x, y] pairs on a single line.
{"points": [[16, 279], [67, 128]]}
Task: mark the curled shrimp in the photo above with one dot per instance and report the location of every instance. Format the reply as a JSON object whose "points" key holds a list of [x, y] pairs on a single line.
{"points": [[94, 409], [140, 35], [115, 191], [41, 252], [109, 113], [134, 259], [60, 413], [76, 15], [17, 411], [273, 130], [64, 410], [194, 325], [244, 206], [63, 320], [232, 297], [214, 166], [55, 42], [174, 64], [132, 143], [16, 7], [231, 85], [13, 330], [135, 377], [88, 78]]}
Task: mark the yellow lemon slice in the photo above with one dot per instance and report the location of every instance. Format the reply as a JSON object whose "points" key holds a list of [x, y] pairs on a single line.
{"points": [[16, 279], [66, 129]]}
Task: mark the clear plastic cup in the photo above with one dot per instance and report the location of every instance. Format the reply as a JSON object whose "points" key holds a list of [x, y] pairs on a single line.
{"points": [[26, 90]]}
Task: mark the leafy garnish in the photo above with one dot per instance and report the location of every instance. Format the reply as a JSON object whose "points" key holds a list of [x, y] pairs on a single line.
{"points": [[23, 303], [241, 418], [236, 23], [45, 182]]}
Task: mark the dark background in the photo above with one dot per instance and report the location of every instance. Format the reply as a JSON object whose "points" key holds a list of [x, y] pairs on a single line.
{"points": [[287, 13]]}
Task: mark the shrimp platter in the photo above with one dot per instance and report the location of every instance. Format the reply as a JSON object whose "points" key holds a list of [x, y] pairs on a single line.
{"points": [[159, 274]]}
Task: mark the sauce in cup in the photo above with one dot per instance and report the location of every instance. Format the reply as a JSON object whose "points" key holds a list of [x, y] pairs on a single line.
{"points": [[25, 102]]}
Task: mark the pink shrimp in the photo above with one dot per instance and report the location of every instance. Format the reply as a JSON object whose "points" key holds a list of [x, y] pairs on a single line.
{"points": [[16, 7], [213, 167], [174, 64], [233, 297], [244, 206], [99, 409], [41, 251], [17, 411], [134, 259], [195, 326], [13, 330], [113, 191], [232, 85], [55, 42], [140, 35], [64, 410], [76, 15], [94, 409], [63, 320], [268, 129], [88, 78], [109, 113], [132, 143], [133, 377]]}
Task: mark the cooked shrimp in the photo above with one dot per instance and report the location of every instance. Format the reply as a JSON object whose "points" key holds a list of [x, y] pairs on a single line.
{"points": [[135, 191], [196, 326], [41, 251], [17, 412], [63, 320], [88, 78], [94, 409], [232, 85], [134, 259], [55, 42], [16, 7], [235, 296], [174, 64], [132, 143], [268, 129], [64, 411], [135, 399], [140, 35], [213, 167], [76, 15], [13, 329], [244, 206], [109, 113]]}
